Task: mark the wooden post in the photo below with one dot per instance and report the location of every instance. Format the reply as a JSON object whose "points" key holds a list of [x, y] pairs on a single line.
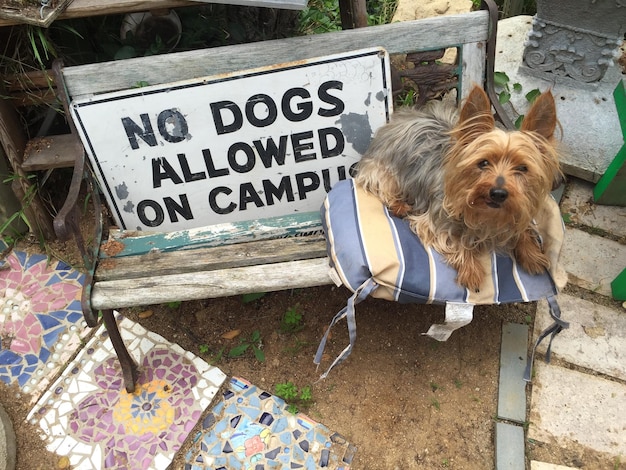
{"points": [[14, 143], [512, 8], [353, 14]]}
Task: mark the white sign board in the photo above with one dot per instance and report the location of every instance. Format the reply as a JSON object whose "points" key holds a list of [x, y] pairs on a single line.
{"points": [[237, 147]]}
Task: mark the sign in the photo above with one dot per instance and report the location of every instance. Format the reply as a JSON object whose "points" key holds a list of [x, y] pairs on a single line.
{"points": [[255, 144]]}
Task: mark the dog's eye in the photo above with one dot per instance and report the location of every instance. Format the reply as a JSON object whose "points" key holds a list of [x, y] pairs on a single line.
{"points": [[483, 164], [522, 169]]}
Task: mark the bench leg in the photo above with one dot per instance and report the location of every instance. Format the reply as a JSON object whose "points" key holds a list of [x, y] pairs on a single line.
{"points": [[129, 368]]}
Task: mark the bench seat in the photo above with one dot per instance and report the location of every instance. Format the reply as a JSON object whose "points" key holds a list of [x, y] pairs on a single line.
{"points": [[202, 273]]}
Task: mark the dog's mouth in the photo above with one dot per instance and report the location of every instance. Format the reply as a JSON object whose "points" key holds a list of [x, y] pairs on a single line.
{"points": [[488, 202], [493, 204]]}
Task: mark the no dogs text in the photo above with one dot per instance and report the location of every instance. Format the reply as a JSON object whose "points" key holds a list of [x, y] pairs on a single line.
{"points": [[238, 156]]}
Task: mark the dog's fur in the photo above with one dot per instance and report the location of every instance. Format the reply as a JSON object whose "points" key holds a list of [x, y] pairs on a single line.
{"points": [[466, 186]]}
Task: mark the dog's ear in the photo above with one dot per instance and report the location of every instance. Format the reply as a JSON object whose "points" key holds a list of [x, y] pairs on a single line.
{"points": [[475, 115], [541, 117]]}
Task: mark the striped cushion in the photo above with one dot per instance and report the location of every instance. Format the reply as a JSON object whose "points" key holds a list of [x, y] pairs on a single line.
{"points": [[374, 253], [365, 241]]}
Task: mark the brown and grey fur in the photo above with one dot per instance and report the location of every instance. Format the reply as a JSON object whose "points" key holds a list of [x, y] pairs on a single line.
{"points": [[466, 186]]}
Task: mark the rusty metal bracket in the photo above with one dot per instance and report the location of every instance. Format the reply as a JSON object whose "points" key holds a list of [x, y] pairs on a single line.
{"points": [[501, 115], [67, 225]]}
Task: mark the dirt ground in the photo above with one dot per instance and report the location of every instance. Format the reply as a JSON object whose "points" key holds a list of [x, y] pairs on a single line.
{"points": [[404, 400]]}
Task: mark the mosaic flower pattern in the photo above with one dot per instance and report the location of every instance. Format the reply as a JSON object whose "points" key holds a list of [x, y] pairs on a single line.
{"points": [[251, 429], [158, 416], [40, 315]]}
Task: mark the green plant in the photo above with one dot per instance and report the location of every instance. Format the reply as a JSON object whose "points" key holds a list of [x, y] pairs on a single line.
{"points": [[458, 384], [291, 321], [203, 348], [380, 11], [320, 16], [174, 305], [287, 391], [253, 342], [503, 83], [8, 234], [290, 393], [247, 298], [435, 403], [406, 98]]}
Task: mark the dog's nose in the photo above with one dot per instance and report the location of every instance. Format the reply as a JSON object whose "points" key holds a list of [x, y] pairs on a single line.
{"points": [[498, 195]]}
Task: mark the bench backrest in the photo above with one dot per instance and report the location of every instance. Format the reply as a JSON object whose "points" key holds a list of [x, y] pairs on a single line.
{"points": [[467, 33]]}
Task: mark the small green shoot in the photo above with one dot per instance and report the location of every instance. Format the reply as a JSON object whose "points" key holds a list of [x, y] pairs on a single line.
{"points": [[296, 398], [407, 98], [458, 384], [174, 305], [253, 342], [291, 322], [287, 391], [247, 298], [435, 404], [434, 387], [204, 349]]}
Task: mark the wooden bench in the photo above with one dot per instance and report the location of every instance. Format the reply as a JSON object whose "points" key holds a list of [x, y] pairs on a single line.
{"points": [[135, 268]]}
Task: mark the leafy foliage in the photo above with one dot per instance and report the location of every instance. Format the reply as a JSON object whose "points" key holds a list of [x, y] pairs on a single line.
{"points": [[291, 322], [253, 342], [297, 398]]}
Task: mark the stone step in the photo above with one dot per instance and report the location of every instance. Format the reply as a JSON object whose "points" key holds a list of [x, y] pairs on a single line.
{"points": [[572, 409], [595, 339], [591, 261], [577, 207]]}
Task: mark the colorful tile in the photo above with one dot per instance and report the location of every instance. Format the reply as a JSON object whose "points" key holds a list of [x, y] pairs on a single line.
{"points": [[88, 416], [251, 429], [41, 321]]}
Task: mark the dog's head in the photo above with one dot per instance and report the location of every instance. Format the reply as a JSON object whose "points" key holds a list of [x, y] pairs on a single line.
{"points": [[498, 177]]}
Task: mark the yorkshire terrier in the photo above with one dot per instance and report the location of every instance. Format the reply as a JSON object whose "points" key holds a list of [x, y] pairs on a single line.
{"points": [[466, 186]]}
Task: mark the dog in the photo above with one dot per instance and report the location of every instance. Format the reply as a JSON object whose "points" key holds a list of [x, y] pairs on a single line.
{"points": [[466, 186]]}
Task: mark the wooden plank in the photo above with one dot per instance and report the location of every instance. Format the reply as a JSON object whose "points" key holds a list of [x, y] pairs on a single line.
{"points": [[396, 38], [206, 285], [13, 141], [84, 8], [208, 259], [138, 243], [34, 14], [473, 56], [55, 151]]}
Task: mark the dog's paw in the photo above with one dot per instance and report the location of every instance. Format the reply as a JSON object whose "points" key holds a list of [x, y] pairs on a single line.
{"points": [[470, 274], [529, 255]]}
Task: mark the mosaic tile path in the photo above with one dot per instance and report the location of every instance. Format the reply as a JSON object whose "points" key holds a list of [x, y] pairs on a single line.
{"points": [[41, 322], [70, 375], [253, 430], [88, 416]]}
